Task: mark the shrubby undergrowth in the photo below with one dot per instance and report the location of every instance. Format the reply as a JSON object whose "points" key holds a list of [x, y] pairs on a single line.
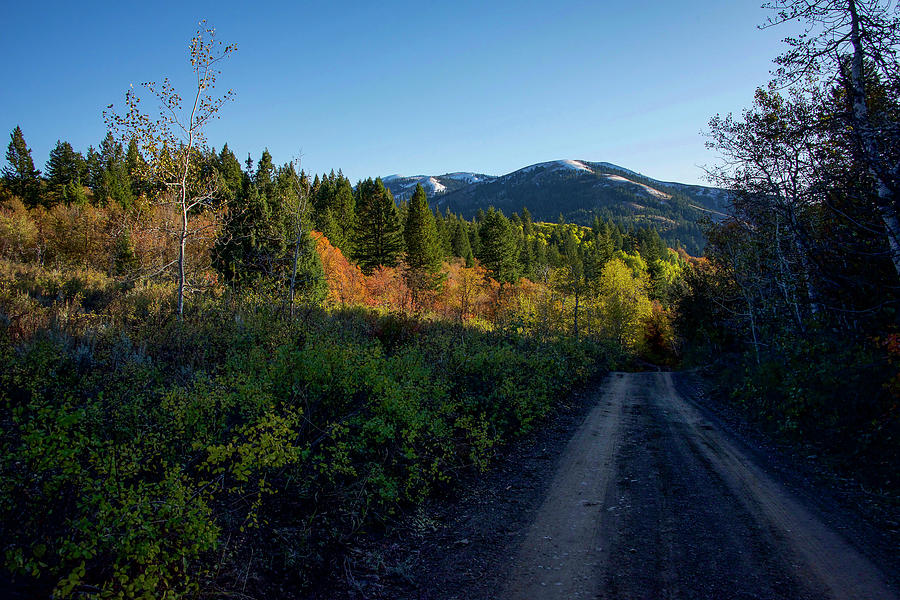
{"points": [[239, 448]]}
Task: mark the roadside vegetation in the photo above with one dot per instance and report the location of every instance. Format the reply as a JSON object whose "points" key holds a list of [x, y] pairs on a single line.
{"points": [[795, 302]]}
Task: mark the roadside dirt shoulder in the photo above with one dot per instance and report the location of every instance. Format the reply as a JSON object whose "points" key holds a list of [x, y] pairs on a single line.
{"points": [[459, 546]]}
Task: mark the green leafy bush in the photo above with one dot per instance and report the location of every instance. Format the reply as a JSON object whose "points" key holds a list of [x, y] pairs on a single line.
{"points": [[161, 460]]}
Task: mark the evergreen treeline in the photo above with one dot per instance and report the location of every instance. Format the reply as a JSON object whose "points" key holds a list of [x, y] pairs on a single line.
{"points": [[363, 220], [580, 196]]}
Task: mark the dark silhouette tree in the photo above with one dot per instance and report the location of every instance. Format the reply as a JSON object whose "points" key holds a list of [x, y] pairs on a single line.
{"points": [[20, 175]]}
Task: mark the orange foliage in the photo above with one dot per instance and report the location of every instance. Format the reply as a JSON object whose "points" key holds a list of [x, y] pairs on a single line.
{"points": [[346, 282], [464, 294], [387, 288], [467, 292], [88, 236]]}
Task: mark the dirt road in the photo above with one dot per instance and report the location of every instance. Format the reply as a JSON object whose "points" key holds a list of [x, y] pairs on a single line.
{"points": [[652, 500]]}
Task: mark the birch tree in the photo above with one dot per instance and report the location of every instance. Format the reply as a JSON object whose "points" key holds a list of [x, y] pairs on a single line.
{"points": [[853, 45], [172, 142]]}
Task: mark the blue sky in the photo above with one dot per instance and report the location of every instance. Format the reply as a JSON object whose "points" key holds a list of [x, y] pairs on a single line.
{"points": [[406, 87]]}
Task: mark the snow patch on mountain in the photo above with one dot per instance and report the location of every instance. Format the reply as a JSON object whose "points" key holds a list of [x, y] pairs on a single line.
{"points": [[435, 186], [607, 165], [430, 184], [465, 177], [556, 165], [577, 165], [647, 188]]}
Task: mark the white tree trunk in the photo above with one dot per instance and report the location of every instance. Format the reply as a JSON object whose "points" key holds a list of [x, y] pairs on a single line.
{"points": [[868, 141]]}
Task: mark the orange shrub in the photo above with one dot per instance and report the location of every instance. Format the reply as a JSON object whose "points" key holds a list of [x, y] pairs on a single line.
{"points": [[346, 282]]}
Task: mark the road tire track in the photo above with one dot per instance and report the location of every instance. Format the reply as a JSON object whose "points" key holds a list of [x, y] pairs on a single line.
{"points": [[652, 500], [560, 557]]}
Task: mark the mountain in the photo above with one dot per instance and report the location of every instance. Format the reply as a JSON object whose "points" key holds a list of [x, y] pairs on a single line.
{"points": [[578, 191], [403, 187]]}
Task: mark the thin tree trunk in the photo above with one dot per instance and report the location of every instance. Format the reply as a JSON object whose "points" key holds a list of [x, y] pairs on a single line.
{"points": [[181, 251], [296, 258], [867, 138], [753, 329]]}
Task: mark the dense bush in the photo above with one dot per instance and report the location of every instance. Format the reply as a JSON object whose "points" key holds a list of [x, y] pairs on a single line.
{"points": [[238, 447], [824, 391]]}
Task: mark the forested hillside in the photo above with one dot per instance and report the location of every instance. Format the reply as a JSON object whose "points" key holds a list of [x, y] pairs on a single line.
{"points": [[578, 192]]}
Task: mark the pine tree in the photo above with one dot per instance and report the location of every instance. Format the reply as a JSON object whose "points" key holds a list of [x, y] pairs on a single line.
{"points": [[344, 209], [251, 243], [135, 168], [423, 251], [113, 182], [526, 257], [461, 246], [499, 248], [64, 174], [230, 171], [527, 222], [334, 210], [312, 287], [94, 169], [377, 239], [20, 175], [444, 228], [265, 175]]}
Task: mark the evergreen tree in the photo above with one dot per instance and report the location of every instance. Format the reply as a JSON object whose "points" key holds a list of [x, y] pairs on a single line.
{"points": [[526, 257], [20, 175], [444, 228], [461, 245], [334, 210], [258, 239], [312, 287], [125, 260], [527, 222], [377, 238], [423, 251], [473, 230], [64, 174], [344, 210], [230, 171], [113, 182], [265, 175], [306, 279], [249, 244], [422, 248], [499, 248], [572, 279], [136, 168], [94, 178]]}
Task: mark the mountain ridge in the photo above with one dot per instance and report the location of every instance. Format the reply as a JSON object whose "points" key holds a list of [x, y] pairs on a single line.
{"points": [[577, 191]]}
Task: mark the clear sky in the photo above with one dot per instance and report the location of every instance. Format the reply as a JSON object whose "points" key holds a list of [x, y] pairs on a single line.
{"points": [[377, 88]]}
